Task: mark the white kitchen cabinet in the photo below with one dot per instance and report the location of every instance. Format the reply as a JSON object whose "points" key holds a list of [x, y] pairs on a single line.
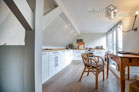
{"points": [[62, 60], [100, 53], [53, 62], [76, 55], [52, 69], [45, 67], [68, 57]]}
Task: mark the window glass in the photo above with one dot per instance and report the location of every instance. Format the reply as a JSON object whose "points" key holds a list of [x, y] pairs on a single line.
{"points": [[110, 47], [115, 39], [120, 38]]}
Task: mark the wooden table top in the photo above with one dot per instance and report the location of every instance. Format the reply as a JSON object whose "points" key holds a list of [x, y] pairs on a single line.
{"points": [[123, 55]]}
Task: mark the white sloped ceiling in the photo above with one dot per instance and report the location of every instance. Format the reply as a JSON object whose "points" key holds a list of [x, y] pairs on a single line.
{"points": [[57, 34], [89, 15], [11, 31]]}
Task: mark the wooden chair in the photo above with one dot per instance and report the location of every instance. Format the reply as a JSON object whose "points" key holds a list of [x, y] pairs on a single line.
{"points": [[92, 64]]}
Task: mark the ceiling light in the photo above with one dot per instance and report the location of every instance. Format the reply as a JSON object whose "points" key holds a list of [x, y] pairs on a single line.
{"points": [[71, 31], [137, 12], [66, 27], [69, 25]]}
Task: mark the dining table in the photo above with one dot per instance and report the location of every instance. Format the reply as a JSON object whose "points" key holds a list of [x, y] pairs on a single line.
{"points": [[123, 61]]}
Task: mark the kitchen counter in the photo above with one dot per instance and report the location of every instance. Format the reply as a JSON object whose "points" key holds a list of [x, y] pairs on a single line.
{"points": [[51, 50]]}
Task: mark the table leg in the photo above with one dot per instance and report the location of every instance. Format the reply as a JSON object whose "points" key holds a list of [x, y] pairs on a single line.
{"points": [[122, 78], [128, 74], [107, 66]]}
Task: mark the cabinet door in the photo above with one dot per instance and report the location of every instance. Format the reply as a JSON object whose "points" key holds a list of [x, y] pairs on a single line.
{"points": [[68, 57], [60, 60], [77, 54], [52, 69], [57, 66], [100, 53], [45, 71]]}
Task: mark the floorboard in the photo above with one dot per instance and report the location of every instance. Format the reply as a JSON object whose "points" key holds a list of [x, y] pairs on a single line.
{"points": [[67, 81]]}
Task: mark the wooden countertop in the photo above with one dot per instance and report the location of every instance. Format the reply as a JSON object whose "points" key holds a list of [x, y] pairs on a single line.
{"points": [[51, 50]]}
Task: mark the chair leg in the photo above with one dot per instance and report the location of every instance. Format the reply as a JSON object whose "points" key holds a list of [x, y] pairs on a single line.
{"points": [[103, 75], [82, 74], [88, 73], [96, 80]]}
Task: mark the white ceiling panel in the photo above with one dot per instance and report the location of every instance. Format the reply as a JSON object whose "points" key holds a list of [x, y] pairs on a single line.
{"points": [[96, 21]]}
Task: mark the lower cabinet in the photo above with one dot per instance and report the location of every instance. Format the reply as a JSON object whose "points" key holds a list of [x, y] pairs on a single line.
{"points": [[45, 66], [52, 68], [76, 55], [53, 62], [100, 53]]}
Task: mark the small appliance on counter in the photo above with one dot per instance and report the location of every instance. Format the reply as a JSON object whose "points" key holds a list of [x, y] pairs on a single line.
{"points": [[70, 46], [99, 47]]}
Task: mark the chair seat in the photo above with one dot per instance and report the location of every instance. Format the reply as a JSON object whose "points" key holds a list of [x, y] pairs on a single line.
{"points": [[94, 65], [100, 67]]}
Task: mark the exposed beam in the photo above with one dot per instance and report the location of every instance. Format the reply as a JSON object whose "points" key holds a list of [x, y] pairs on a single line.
{"points": [[50, 17], [64, 9], [22, 11]]}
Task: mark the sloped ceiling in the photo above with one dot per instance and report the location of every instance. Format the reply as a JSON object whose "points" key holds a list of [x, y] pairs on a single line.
{"points": [[96, 21], [10, 27], [56, 35]]}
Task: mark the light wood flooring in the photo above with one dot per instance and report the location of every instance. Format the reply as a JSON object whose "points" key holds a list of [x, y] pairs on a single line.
{"points": [[67, 81]]}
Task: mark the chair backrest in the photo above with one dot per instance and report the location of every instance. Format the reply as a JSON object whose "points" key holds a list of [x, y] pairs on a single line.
{"points": [[96, 58], [85, 58], [90, 61]]}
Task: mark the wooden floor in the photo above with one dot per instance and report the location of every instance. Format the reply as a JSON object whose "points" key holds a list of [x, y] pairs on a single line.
{"points": [[67, 81]]}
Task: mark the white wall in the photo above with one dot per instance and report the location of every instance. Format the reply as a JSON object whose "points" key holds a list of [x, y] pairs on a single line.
{"points": [[92, 39], [55, 35], [17, 66], [10, 27], [131, 43], [16, 62], [131, 39]]}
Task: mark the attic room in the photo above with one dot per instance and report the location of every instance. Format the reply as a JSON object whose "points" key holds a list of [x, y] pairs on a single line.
{"points": [[69, 45]]}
